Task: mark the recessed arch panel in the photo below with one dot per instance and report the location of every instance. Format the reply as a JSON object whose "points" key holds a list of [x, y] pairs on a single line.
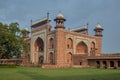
{"points": [[69, 58], [69, 43], [81, 48], [51, 43]]}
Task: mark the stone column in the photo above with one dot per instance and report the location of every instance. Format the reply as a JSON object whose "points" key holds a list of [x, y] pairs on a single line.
{"points": [[108, 64], [101, 64], [95, 64], [115, 64]]}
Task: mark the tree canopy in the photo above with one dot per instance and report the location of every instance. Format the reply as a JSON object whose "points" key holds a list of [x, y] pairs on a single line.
{"points": [[11, 40]]}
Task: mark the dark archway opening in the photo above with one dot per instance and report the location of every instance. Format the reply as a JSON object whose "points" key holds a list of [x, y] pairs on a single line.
{"points": [[51, 58], [111, 64], [41, 59], [104, 64], [118, 63], [98, 64]]}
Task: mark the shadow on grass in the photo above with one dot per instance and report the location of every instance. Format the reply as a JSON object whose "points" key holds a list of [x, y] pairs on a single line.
{"points": [[7, 66], [39, 76]]}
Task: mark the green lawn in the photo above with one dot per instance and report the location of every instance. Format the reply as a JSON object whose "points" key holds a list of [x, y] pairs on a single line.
{"points": [[30, 73]]}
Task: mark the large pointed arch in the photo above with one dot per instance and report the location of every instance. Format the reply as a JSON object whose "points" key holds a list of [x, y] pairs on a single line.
{"points": [[81, 48], [38, 47]]}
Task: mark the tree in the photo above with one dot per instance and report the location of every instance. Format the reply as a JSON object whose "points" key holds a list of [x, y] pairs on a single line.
{"points": [[11, 40]]}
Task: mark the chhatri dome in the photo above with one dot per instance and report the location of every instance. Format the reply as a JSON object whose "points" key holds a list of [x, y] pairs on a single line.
{"points": [[98, 26], [60, 16], [26, 29]]}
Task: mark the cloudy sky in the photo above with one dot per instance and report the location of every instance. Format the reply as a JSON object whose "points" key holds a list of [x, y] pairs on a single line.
{"points": [[77, 13]]}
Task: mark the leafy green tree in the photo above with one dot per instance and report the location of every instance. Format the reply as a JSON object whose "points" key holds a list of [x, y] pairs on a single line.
{"points": [[25, 44], [11, 40]]}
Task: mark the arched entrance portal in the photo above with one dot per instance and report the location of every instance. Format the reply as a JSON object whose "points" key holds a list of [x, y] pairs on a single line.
{"points": [[81, 48], [69, 58], [38, 50]]}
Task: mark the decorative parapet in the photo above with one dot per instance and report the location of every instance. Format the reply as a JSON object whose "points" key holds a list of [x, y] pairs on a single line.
{"points": [[105, 56]]}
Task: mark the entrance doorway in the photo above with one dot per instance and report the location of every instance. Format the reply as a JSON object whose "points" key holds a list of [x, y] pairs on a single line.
{"points": [[104, 64], [41, 59], [111, 64], [98, 64], [118, 63], [51, 58], [38, 48]]}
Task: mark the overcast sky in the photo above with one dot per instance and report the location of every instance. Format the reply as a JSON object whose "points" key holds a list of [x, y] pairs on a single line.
{"points": [[77, 13]]}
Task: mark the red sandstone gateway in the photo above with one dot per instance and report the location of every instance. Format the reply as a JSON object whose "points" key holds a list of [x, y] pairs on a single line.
{"points": [[67, 48]]}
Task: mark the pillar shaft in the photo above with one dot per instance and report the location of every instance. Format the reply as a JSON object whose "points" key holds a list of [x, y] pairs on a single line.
{"points": [[108, 64], [101, 64], [115, 64]]}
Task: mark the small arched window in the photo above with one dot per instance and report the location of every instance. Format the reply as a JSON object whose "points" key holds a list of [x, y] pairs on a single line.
{"points": [[51, 43], [69, 43], [92, 45], [69, 57], [93, 49], [51, 58]]}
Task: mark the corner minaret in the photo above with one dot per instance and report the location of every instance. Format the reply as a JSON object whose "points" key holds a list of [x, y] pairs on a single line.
{"points": [[98, 33], [98, 30], [60, 38], [60, 21]]}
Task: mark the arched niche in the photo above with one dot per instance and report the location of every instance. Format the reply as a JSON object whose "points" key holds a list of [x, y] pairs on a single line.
{"points": [[69, 58], [81, 48], [51, 43], [69, 43]]}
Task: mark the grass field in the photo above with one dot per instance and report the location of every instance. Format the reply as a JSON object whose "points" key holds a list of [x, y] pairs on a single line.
{"points": [[30, 73]]}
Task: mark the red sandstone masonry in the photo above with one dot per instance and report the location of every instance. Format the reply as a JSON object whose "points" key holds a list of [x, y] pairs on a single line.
{"points": [[56, 66]]}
